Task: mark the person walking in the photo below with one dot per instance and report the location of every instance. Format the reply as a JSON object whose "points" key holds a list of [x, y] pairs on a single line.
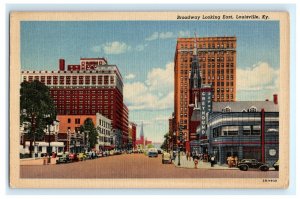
{"points": [[212, 161]]}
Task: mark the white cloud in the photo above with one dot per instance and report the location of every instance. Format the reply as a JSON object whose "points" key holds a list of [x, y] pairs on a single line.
{"points": [[154, 36], [260, 76], [130, 76], [96, 49], [161, 35], [141, 47], [156, 93], [115, 47], [183, 33], [166, 35]]}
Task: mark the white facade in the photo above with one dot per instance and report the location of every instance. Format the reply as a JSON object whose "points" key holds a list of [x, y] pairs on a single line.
{"points": [[104, 76], [41, 147], [104, 129]]}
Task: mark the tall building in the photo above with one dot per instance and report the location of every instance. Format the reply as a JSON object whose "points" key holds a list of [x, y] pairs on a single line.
{"points": [[125, 126], [132, 127], [141, 141], [216, 58], [91, 87]]}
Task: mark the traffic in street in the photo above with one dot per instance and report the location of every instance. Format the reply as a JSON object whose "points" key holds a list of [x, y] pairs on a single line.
{"points": [[134, 165]]}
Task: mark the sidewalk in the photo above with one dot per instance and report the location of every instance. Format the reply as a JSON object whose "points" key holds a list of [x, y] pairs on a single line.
{"points": [[37, 161], [184, 163]]}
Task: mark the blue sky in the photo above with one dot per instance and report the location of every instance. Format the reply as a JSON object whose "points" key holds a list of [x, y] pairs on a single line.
{"points": [[144, 53]]}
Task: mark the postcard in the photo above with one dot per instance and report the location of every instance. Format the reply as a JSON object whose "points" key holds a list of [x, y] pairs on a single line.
{"points": [[149, 99]]}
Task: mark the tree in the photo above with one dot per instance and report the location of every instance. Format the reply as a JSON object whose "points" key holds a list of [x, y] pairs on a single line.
{"points": [[88, 128], [37, 110], [164, 145], [150, 146]]}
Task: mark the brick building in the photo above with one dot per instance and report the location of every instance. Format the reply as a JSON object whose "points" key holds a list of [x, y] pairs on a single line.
{"points": [[132, 129], [84, 89], [217, 64]]}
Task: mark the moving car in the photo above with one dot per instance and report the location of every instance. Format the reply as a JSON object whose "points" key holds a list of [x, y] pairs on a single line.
{"points": [[276, 165], [166, 158], [152, 152], [246, 164]]}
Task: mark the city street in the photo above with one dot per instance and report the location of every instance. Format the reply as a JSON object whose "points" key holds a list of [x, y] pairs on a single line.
{"points": [[132, 166]]}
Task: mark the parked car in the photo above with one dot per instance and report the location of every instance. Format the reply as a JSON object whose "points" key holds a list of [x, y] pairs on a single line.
{"points": [[276, 165], [100, 154], [81, 156], [246, 164], [152, 152], [166, 158], [118, 152], [73, 157], [64, 158]]}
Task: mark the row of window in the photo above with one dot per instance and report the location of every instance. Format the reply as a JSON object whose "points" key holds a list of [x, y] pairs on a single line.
{"points": [[254, 130], [81, 92], [104, 131], [251, 109], [104, 123], [77, 120], [62, 111], [209, 45], [74, 80], [83, 71]]}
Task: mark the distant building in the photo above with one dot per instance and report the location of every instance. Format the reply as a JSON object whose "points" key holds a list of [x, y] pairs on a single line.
{"points": [[104, 129], [132, 135], [142, 142]]}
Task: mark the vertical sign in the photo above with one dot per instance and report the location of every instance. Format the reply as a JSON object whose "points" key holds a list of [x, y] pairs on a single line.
{"points": [[205, 108]]}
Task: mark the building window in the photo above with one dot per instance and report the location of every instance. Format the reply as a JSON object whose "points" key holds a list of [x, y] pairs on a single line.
{"points": [[252, 109], [230, 130], [77, 121], [246, 130], [74, 80], [226, 109], [69, 120], [251, 130]]}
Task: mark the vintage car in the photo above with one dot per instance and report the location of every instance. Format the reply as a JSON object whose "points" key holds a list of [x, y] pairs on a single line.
{"points": [[81, 156], [276, 165], [166, 158], [73, 157], [64, 158], [152, 152], [246, 164]]}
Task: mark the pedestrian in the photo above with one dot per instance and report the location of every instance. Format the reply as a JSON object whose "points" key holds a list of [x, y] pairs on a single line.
{"points": [[212, 161], [229, 161], [236, 160], [196, 163]]}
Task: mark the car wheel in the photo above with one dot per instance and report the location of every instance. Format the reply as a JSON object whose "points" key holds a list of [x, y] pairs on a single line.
{"points": [[244, 168], [264, 168], [276, 168]]}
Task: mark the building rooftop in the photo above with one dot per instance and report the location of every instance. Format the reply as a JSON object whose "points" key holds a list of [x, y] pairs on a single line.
{"points": [[244, 106], [239, 106]]}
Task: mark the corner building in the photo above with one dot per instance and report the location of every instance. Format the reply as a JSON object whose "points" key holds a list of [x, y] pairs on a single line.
{"points": [[217, 63], [93, 86]]}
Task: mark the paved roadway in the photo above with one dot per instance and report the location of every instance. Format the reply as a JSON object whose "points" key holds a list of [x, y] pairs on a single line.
{"points": [[132, 166]]}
